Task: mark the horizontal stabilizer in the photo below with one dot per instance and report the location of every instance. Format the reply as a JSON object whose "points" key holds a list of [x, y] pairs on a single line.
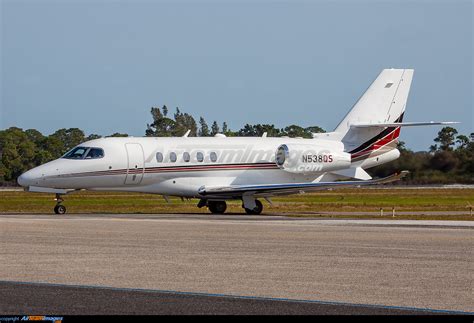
{"points": [[401, 124]]}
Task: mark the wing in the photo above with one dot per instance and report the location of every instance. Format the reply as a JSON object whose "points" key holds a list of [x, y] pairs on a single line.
{"points": [[236, 191]]}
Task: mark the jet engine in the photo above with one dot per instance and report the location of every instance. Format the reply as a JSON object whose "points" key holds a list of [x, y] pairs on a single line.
{"points": [[307, 159]]}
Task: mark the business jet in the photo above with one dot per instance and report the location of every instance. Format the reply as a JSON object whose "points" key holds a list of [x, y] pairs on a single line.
{"points": [[217, 169]]}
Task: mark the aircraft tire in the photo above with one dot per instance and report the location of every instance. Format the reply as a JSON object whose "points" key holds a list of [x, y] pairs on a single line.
{"points": [[257, 210], [217, 207], [60, 209]]}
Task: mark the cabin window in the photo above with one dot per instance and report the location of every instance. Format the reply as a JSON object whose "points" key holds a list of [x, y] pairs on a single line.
{"points": [[186, 157], [213, 157], [173, 157], [200, 156], [159, 157]]}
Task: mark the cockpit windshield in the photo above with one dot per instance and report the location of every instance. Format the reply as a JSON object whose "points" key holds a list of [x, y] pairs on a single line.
{"points": [[84, 153]]}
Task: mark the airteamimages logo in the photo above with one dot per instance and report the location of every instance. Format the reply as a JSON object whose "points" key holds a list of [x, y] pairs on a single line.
{"points": [[42, 318], [303, 158], [226, 153]]}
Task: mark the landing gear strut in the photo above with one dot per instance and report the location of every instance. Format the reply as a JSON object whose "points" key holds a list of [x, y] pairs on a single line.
{"points": [[59, 208], [256, 210], [217, 207]]}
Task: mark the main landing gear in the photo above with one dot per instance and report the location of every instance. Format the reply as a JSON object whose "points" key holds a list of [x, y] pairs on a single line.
{"points": [[219, 207], [59, 208], [256, 210], [216, 207]]}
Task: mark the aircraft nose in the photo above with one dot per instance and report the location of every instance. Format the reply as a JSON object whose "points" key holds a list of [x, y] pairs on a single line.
{"points": [[26, 179]]}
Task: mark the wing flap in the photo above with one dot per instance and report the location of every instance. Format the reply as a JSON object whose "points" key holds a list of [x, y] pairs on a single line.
{"points": [[290, 188]]}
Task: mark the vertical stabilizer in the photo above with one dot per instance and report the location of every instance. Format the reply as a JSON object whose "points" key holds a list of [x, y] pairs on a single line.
{"points": [[383, 102]]}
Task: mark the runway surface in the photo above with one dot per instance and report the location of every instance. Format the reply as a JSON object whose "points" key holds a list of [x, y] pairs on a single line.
{"points": [[76, 300], [334, 263]]}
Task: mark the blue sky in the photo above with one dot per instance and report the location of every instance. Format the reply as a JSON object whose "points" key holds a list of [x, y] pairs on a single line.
{"points": [[101, 65]]}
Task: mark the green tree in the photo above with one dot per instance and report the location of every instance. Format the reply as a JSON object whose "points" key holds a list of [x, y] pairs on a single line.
{"points": [[446, 139], [444, 161], [462, 141], [43, 153], [314, 129], [183, 123], [248, 131], [161, 125], [258, 130], [401, 146], [68, 138], [297, 131], [92, 137], [465, 154], [203, 128], [54, 147], [17, 153], [214, 128], [226, 130], [269, 129], [35, 136]]}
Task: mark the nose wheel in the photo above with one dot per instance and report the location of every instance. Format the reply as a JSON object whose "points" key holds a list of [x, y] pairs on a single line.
{"points": [[59, 208]]}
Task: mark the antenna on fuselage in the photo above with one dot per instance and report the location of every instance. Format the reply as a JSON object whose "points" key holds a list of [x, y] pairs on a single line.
{"points": [[187, 133]]}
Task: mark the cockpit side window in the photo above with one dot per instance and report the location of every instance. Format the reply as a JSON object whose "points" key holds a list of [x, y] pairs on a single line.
{"points": [[95, 153], [84, 153]]}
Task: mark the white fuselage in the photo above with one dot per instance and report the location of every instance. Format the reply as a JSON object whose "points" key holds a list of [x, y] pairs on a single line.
{"points": [[146, 164]]}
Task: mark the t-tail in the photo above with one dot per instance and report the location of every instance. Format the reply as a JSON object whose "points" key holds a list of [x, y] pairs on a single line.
{"points": [[370, 130]]}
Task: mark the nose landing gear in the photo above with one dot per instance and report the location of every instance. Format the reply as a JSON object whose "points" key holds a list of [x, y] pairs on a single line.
{"points": [[59, 208]]}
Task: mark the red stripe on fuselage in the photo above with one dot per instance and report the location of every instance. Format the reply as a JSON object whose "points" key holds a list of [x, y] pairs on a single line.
{"points": [[379, 143], [169, 169]]}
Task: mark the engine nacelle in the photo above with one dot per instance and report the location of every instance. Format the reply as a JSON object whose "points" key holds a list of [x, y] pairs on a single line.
{"points": [[307, 159]]}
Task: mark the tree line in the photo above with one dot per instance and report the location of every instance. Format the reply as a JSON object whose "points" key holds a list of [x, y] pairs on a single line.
{"points": [[164, 126], [449, 160]]}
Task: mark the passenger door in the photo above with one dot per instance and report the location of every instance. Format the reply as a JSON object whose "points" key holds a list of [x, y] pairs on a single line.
{"points": [[136, 163]]}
